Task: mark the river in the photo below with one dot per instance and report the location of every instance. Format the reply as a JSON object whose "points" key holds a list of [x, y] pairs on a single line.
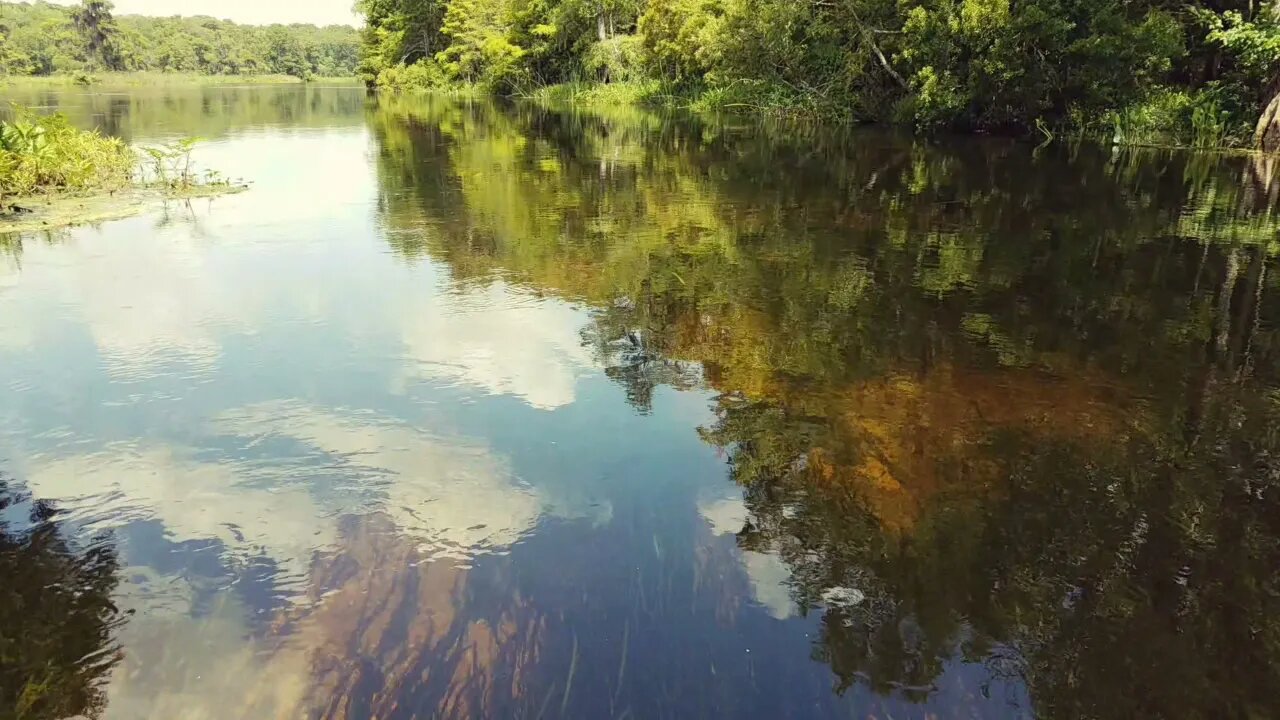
{"points": [[470, 409]]}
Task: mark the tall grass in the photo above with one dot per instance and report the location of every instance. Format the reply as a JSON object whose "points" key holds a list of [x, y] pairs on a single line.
{"points": [[760, 98], [46, 154], [1174, 118], [589, 94]]}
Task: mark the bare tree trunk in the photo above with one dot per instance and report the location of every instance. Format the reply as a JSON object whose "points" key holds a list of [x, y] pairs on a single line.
{"points": [[1267, 135]]}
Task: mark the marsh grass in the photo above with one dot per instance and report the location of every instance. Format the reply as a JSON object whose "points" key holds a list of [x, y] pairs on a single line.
{"points": [[640, 93], [53, 174], [45, 154]]}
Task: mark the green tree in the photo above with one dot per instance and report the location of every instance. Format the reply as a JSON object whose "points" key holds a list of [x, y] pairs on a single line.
{"points": [[93, 19], [286, 54], [479, 48]]}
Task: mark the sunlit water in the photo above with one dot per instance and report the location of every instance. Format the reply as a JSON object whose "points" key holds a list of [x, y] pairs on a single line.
{"points": [[473, 410]]}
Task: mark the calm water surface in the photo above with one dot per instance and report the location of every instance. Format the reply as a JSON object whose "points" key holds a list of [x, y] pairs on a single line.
{"points": [[476, 410]]}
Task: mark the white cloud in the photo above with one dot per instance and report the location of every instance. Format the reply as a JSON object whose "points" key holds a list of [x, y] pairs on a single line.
{"points": [[204, 666], [448, 498], [123, 483], [498, 338], [148, 302], [455, 496], [452, 495], [767, 572]]}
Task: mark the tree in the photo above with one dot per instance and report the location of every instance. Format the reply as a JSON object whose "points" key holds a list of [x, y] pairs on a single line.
{"points": [[93, 19], [286, 55]]}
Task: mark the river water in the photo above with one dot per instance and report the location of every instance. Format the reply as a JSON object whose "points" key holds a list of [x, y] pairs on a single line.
{"points": [[480, 410]]}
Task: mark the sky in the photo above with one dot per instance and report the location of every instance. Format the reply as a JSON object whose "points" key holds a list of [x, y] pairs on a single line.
{"points": [[259, 12]]}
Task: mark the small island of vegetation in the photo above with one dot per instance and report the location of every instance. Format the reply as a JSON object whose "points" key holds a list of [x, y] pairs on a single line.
{"points": [[53, 174]]}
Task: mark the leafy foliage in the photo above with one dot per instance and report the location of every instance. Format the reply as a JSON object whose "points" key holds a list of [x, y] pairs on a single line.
{"points": [[47, 153], [977, 64]]}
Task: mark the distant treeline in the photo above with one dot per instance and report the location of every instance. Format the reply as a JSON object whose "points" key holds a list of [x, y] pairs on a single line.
{"points": [[44, 39], [1198, 71]]}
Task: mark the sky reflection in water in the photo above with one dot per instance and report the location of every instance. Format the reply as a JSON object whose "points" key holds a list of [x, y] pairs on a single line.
{"points": [[480, 411]]}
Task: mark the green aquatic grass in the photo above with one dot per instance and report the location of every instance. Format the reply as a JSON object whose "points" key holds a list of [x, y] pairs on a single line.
{"points": [[637, 92], [334, 80]]}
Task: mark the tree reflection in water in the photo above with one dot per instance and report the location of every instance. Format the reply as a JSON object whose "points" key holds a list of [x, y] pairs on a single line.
{"points": [[57, 619], [1008, 407]]}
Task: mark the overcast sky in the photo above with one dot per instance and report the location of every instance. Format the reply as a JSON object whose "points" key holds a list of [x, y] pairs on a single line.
{"points": [[261, 12]]}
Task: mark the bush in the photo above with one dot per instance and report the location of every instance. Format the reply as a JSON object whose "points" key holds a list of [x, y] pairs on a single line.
{"points": [[420, 76], [617, 59], [42, 154], [1212, 117]]}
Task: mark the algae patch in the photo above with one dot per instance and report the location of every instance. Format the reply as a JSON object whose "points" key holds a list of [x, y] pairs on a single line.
{"points": [[60, 210]]}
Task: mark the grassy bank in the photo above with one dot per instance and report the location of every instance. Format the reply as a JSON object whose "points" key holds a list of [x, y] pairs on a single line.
{"points": [[152, 79], [53, 174]]}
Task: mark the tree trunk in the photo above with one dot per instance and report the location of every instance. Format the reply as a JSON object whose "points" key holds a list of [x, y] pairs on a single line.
{"points": [[1267, 135]]}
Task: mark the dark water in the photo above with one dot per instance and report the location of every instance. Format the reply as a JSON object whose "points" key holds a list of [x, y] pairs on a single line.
{"points": [[470, 410]]}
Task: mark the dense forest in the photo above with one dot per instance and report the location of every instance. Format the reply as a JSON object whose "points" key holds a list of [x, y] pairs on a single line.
{"points": [[44, 39], [1148, 70]]}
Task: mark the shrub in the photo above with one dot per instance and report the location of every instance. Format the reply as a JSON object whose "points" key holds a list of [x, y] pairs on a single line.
{"points": [[422, 75], [41, 154], [1211, 117], [617, 59]]}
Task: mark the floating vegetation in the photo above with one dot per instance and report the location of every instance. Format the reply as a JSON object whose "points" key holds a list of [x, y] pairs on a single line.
{"points": [[53, 174]]}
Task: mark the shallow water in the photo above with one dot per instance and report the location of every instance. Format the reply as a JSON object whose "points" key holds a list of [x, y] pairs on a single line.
{"points": [[480, 410]]}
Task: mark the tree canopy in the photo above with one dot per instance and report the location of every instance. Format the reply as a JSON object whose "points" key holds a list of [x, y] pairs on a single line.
{"points": [[1139, 70]]}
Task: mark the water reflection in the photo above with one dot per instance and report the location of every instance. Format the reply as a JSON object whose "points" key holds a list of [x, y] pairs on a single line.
{"points": [[149, 114], [56, 637], [534, 414], [500, 338]]}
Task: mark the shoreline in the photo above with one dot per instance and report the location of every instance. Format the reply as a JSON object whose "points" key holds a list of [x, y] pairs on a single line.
{"points": [[646, 95], [143, 79]]}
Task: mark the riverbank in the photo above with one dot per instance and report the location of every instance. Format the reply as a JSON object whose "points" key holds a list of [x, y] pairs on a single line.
{"points": [[1165, 120], [143, 79]]}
